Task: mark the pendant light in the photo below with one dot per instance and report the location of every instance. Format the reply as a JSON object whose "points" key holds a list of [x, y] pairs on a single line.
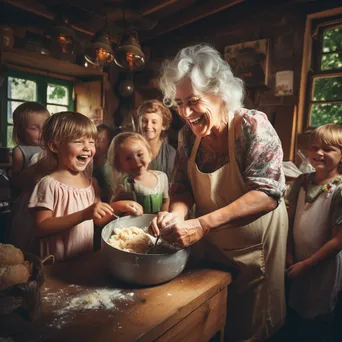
{"points": [[62, 34], [99, 52], [128, 54]]}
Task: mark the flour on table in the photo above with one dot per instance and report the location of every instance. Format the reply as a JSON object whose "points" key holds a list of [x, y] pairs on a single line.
{"points": [[98, 299], [67, 302]]}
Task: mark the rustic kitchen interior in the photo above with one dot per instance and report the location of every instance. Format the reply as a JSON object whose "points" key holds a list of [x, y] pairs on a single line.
{"points": [[72, 55]]}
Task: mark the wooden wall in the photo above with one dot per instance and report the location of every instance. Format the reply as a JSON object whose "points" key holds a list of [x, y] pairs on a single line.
{"points": [[283, 25]]}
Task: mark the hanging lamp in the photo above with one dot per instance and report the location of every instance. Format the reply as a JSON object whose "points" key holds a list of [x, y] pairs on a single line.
{"points": [[128, 54], [99, 52], [62, 34]]}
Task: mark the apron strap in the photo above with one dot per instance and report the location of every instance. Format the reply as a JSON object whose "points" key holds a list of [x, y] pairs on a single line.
{"points": [[194, 149], [231, 138]]}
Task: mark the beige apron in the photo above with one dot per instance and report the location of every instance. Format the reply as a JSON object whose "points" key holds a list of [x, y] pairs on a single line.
{"points": [[256, 299]]}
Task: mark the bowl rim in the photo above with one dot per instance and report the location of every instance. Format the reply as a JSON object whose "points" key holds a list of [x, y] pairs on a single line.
{"points": [[134, 253]]}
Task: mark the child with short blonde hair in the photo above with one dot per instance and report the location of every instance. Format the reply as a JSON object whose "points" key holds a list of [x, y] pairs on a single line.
{"points": [[314, 255], [129, 156], [66, 202]]}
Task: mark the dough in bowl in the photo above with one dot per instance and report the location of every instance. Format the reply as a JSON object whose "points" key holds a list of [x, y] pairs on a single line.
{"points": [[131, 239], [10, 255], [13, 274]]}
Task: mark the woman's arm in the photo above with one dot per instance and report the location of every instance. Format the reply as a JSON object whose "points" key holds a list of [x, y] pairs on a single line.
{"points": [[241, 212]]}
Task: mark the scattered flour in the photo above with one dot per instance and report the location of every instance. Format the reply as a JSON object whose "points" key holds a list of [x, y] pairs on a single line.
{"points": [[65, 306], [103, 298]]}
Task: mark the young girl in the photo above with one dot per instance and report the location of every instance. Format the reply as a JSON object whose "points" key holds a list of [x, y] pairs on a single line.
{"points": [[65, 202], [315, 239], [28, 120], [129, 156], [154, 120]]}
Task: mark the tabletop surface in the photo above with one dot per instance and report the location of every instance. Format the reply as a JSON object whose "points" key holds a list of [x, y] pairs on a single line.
{"points": [[132, 313]]}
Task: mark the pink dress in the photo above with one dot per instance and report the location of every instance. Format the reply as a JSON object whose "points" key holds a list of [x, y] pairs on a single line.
{"points": [[63, 200]]}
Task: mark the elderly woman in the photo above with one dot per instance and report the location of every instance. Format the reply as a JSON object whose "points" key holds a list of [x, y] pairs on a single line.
{"points": [[229, 164]]}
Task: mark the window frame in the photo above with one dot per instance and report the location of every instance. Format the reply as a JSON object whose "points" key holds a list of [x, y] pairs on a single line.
{"points": [[42, 82], [315, 70], [302, 110]]}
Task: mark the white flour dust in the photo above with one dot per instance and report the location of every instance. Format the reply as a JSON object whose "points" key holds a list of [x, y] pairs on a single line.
{"points": [[98, 299], [66, 303]]}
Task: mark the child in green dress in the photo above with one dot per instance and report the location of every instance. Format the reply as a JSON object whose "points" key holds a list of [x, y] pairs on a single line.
{"points": [[129, 157]]}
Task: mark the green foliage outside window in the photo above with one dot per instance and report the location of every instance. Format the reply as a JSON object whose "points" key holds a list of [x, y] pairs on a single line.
{"points": [[21, 87], [326, 100]]}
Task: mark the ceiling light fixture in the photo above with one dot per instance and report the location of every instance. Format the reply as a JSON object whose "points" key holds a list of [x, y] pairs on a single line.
{"points": [[128, 54], [99, 52], [62, 34]]}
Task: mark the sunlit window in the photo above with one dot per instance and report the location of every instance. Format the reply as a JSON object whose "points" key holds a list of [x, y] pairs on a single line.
{"points": [[55, 94], [325, 100]]}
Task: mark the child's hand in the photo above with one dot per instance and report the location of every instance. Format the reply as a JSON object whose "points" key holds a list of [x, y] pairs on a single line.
{"points": [[297, 269], [127, 208], [97, 211]]}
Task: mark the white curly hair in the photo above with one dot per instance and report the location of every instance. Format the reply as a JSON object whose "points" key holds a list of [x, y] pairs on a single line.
{"points": [[208, 72]]}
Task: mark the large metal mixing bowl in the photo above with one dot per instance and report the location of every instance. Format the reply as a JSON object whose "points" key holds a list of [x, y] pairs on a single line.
{"points": [[142, 269]]}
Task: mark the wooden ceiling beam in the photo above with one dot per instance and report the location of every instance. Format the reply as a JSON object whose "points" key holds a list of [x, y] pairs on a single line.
{"points": [[154, 6], [189, 16], [39, 9]]}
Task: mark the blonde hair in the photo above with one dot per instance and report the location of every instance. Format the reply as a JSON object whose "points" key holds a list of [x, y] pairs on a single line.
{"points": [[155, 107], [116, 175], [64, 127], [329, 134], [20, 115]]}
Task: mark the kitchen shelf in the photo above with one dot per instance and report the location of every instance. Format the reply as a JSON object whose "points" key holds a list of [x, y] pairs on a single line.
{"points": [[47, 64]]}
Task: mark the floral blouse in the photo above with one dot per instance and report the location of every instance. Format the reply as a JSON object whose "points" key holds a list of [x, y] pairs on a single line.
{"points": [[258, 152]]}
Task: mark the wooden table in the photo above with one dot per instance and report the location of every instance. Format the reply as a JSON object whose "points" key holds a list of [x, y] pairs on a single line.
{"points": [[192, 307]]}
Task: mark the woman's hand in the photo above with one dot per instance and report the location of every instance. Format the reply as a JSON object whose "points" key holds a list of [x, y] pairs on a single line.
{"points": [[173, 229], [127, 208], [297, 269], [97, 211]]}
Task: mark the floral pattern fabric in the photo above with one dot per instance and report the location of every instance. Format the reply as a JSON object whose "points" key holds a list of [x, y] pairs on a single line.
{"points": [[258, 152]]}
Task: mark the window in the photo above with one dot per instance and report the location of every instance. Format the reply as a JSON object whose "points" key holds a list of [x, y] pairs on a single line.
{"points": [[55, 94], [325, 96]]}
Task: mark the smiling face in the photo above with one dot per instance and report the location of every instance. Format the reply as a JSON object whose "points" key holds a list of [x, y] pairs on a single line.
{"points": [[133, 157], [201, 112], [324, 158], [75, 155], [33, 128], [152, 126]]}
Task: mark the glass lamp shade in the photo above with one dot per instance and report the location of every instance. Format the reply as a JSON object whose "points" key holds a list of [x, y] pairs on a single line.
{"points": [[63, 35], [129, 56], [100, 52]]}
